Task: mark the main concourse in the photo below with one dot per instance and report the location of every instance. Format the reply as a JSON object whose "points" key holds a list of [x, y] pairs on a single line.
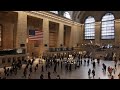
{"points": [[78, 73], [71, 43]]}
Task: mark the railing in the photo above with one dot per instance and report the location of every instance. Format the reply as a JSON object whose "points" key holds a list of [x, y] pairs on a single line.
{"points": [[60, 49], [10, 52]]}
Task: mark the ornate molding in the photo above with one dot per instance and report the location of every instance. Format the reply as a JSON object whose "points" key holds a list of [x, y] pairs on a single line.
{"points": [[51, 17]]}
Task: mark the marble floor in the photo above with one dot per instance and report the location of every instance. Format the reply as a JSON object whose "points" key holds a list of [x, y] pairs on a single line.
{"points": [[79, 73]]}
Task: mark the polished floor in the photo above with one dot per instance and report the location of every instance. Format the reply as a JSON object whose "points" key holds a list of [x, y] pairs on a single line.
{"points": [[79, 73]]}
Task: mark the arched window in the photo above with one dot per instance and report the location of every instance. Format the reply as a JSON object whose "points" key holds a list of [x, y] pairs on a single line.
{"points": [[67, 15], [89, 28], [107, 31], [56, 12]]}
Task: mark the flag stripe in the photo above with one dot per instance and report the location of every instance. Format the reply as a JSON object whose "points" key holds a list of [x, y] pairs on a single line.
{"points": [[35, 35]]}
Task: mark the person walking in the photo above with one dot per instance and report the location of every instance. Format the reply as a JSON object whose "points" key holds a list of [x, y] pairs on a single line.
{"points": [[25, 72], [30, 69], [29, 76], [84, 62], [88, 62], [114, 70], [119, 75], [115, 66], [35, 69], [55, 68], [36, 66], [39, 61], [112, 77], [46, 66], [105, 68], [70, 67], [94, 64], [61, 64], [42, 68], [98, 61], [75, 65], [89, 72], [58, 77], [58, 63], [49, 77], [81, 61], [41, 76], [93, 72]]}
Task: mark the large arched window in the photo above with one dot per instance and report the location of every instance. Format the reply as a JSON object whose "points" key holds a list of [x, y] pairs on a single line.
{"points": [[67, 15], [56, 12], [89, 28], [107, 31]]}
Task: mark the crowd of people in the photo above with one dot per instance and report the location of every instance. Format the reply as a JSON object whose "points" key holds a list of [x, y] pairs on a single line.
{"points": [[53, 63]]}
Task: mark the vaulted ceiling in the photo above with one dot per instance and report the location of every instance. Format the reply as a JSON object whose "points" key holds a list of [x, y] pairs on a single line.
{"points": [[80, 16], [75, 15]]}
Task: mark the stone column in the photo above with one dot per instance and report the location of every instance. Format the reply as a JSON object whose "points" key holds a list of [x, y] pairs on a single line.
{"points": [[117, 37], [81, 34], [97, 32], [21, 33], [117, 32], [71, 37], [60, 34], [45, 34], [78, 34]]}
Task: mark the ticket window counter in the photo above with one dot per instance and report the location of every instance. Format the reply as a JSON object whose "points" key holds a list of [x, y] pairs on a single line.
{"points": [[3, 60], [9, 60]]}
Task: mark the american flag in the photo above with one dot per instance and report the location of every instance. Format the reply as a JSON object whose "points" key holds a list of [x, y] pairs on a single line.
{"points": [[35, 35]]}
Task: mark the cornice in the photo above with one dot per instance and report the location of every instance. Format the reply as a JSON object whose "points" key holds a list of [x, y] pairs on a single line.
{"points": [[51, 17]]}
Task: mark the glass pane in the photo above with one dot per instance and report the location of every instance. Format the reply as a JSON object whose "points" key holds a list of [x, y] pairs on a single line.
{"points": [[67, 15], [90, 28], [107, 26], [56, 12]]}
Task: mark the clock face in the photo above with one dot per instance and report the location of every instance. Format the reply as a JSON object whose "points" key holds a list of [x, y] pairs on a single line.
{"points": [[19, 50]]}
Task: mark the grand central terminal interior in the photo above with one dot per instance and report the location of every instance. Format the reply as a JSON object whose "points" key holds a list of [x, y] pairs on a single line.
{"points": [[59, 44]]}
